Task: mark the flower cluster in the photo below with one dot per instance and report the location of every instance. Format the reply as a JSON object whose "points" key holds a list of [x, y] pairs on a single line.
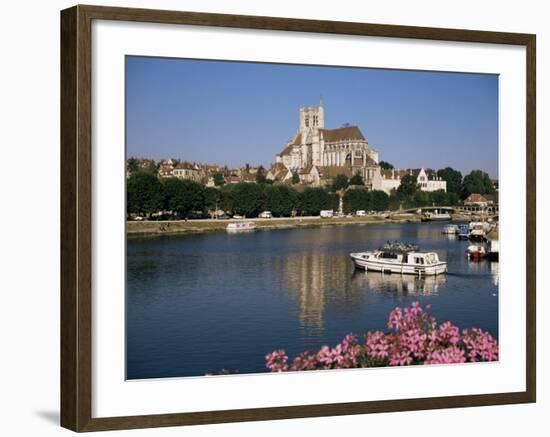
{"points": [[414, 337]]}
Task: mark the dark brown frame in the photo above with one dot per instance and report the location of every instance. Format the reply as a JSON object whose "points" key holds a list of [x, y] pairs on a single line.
{"points": [[76, 221]]}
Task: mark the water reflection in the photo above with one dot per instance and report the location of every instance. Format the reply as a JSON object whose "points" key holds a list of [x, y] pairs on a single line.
{"points": [[317, 280], [320, 280], [404, 285], [494, 268]]}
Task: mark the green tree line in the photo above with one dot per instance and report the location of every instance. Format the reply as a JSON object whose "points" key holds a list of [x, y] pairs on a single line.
{"points": [[147, 194]]}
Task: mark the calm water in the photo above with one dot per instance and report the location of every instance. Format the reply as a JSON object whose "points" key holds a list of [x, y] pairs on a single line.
{"points": [[199, 304]]}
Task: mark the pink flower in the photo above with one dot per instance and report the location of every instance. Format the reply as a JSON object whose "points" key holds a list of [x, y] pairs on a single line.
{"points": [[449, 355], [414, 338], [276, 361]]}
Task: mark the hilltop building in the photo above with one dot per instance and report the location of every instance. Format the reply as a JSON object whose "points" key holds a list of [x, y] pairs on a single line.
{"points": [[318, 154]]}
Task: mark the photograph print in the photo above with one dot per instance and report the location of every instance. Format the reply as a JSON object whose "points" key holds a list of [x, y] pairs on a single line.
{"points": [[285, 218]]}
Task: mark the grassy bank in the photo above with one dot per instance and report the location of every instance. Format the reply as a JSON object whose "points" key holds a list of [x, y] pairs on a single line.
{"points": [[144, 228]]}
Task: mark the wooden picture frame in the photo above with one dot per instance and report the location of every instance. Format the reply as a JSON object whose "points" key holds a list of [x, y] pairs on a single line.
{"points": [[76, 218]]}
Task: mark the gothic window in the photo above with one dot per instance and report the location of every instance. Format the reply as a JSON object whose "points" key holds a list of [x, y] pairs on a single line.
{"points": [[307, 121]]}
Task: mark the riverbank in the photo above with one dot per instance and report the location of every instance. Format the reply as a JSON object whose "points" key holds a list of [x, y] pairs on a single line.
{"points": [[144, 228], [175, 227]]}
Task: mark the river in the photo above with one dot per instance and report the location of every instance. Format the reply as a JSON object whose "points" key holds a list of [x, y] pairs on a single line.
{"points": [[197, 304]]}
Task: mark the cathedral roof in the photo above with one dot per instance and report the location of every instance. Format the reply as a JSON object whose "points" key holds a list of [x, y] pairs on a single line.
{"points": [[297, 140], [287, 150], [331, 171], [342, 134]]}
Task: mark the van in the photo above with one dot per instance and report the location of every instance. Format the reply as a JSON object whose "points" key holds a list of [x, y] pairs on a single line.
{"points": [[327, 213], [361, 213]]}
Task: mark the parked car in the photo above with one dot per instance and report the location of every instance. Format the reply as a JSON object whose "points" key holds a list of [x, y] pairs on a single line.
{"points": [[266, 215], [361, 213], [238, 217], [327, 213]]}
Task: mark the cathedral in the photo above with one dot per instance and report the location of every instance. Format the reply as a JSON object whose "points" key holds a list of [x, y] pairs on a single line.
{"points": [[318, 154]]}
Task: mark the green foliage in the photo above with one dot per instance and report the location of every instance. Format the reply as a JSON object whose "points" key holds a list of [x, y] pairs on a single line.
{"points": [[132, 165], [477, 181], [227, 198], [357, 199], [312, 200], [295, 178], [211, 198], [183, 196], [422, 198], [380, 201], [453, 178], [144, 193], [385, 165], [357, 179], [280, 200], [248, 199], [261, 175], [408, 186], [219, 180], [340, 182], [334, 201]]}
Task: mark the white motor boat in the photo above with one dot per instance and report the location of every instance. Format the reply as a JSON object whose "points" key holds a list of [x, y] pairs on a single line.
{"points": [[241, 227], [400, 258], [450, 229], [435, 216]]}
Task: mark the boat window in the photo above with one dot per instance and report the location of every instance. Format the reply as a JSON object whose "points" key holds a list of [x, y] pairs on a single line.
{"points": [[419, 260]]}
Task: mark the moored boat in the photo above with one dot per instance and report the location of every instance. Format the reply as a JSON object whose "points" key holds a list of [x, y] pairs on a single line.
{"points": [[463, 232], [492, 245], [241, 226], [478, 230], [476, 252], [400, 258], [450, 229], [435, 216]]}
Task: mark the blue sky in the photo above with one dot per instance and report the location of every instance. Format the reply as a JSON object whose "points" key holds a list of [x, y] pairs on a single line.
{"points": [[232, 113]]}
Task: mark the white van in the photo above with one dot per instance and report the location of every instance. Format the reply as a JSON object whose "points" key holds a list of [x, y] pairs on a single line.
{"points": [[327, 213], [361, 213], [266, 214]]}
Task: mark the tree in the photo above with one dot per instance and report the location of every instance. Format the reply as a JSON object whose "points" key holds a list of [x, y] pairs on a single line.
{"points": [[340, 182], [260, 175], [183, 196], [452, 177], [295, 178], [385, 165], [280, 200], [380, 201], [227, 198], [422, 198], [248, 199], [312, 200], [357, 179], [144, 193], [357, 199], [132, 165], [408, 185], [477, 181], [218, 178], [211, 199]]}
